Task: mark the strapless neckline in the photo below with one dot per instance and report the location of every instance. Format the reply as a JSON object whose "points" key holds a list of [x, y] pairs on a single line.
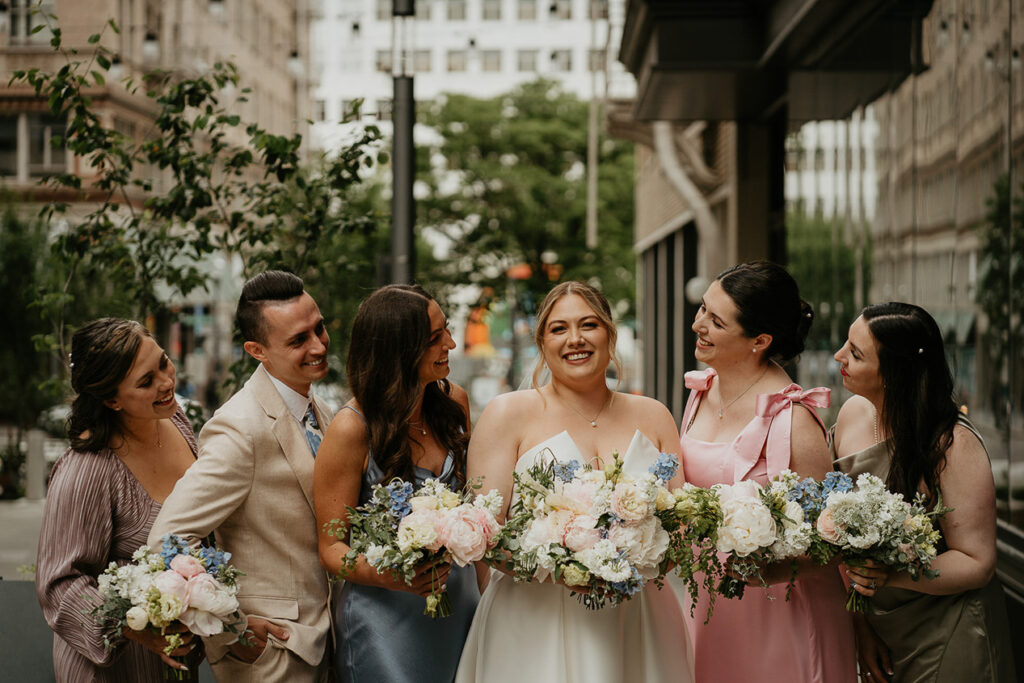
{"points": [[637, 458]]}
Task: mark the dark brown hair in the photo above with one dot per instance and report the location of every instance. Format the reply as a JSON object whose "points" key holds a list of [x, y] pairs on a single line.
{"points": [[918, 407], [390, 335], [102, 354], [271, 285]]}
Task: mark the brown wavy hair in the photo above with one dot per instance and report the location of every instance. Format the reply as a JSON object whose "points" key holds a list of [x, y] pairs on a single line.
{"points": [[390, 335], [102, 353]]}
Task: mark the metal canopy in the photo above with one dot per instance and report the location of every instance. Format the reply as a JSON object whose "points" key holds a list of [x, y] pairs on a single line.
{"points": [[743, 59]]}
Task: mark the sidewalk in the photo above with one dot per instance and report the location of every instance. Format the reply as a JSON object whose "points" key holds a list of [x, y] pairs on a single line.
{"points": [[19, 536]]}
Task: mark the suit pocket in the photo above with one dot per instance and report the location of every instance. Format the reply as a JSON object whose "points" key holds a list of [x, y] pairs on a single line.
{"points": [[269, 607]]}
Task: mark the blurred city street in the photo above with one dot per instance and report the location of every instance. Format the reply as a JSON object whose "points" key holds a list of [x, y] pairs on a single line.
{"points": [[19, 536]]}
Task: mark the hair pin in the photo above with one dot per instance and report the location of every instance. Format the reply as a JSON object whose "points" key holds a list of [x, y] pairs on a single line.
{"points": [[71, 363]]}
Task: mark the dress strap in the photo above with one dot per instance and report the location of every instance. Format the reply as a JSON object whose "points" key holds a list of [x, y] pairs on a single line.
{"points": [[775, 435], [356, 412], [697, 381]]}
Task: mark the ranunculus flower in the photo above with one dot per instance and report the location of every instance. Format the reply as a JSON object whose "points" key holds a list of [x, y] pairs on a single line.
{"points": [[466, 532], [575, 575], [581, 533], [419, 530], [204, 593], [137, 618], [629, 502], [747, 525], [826, 526], [187, 566], [423, 503]]}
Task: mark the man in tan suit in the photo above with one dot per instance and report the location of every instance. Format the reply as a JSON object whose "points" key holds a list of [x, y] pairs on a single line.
{"points": [[252, 486]]}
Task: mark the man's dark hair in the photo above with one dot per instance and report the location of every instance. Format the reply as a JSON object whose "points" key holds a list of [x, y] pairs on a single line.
{"points": [[271, 285]]}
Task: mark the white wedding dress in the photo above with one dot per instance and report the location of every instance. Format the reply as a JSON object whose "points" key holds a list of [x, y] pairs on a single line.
{"points": [[540, 633]]}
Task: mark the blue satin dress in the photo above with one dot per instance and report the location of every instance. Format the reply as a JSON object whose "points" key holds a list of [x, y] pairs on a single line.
{"points": [[383, 635]]}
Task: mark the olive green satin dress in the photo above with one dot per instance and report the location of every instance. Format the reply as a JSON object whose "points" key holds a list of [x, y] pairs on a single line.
{"points": [[936, 638]]}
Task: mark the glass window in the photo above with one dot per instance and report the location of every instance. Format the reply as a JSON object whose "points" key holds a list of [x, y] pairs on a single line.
{"points": [[526, 10], [383, 110], [43, 157], [26, 14], [526, 60], [491, 60], [384, 61], [456, 10], [383, 10], [597, 9], [561, 9], [491, 10], [423, 9], [319, 110], [421, 61], [597, 59], [8, 145], [456, 60], [561, 60]]}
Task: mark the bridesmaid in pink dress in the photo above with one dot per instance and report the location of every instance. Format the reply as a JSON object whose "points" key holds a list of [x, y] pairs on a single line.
{"points": [[740, 423]]}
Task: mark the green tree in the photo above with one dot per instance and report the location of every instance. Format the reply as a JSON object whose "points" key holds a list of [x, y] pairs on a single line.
{"points": [[507, 185], [1000, 295], [824, 265], [234, 189]]}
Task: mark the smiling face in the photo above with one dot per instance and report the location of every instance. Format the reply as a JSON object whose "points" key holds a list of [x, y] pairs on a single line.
{"points": [[434, 363], [575, 341], [295, 348], [720, 338], [147, 391], [859, 365]]}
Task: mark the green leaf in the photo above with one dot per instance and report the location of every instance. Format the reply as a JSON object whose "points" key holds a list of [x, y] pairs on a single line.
{"points": [[37, 28], [114, 27], [94, 38], [100, 80], [103, 62]]}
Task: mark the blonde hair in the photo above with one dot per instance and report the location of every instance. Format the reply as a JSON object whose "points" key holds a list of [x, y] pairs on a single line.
{"points": [[597, 303]]}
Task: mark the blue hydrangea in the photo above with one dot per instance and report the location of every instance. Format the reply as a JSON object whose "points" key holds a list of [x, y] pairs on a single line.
{"points": [[400, 492], [666, 466], [566, 471], [173, 546], [836, 482]]}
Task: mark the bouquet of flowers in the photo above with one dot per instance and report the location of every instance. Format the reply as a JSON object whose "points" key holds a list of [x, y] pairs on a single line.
{"points": [[759, 526], [872, 523], [400, 528], [193, 586], [599, 529]]}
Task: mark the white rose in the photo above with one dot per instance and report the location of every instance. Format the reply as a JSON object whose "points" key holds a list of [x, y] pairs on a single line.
{"points": [[137, 618], [645, 544], [418, 503], [630, 502], [375, 554], [418, 530], [747, 526]]}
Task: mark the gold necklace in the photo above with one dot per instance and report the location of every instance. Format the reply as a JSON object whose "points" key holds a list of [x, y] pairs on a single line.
{"points": [[593, 422], [722, 407], [874, 422], [418, 425]]}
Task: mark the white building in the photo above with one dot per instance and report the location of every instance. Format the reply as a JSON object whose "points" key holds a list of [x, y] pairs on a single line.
{"points": [[478, 47]]}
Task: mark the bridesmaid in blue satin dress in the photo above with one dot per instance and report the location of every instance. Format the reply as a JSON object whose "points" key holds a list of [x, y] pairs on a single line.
{"points": [[405, 420]]}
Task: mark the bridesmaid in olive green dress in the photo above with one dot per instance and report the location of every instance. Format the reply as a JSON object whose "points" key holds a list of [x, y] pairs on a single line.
{"points": [[903, 425]]}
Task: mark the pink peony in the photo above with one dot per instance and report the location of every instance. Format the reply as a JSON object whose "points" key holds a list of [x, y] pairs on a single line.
{"points": [[467, 532], [421, 529], [187, 566], [826, 526], [581, 533], [204, 593], [172, 584], [630, 502], [582, 492]]}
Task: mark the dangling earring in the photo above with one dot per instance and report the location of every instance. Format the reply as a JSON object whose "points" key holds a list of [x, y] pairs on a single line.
{"points": [[753, 350]]}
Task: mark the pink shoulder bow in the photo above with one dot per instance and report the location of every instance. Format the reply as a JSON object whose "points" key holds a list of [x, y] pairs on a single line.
{"points": [[699, 380], [775, 434]]}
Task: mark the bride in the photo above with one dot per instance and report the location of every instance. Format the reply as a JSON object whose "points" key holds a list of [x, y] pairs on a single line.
{"points": [[539, 631]]}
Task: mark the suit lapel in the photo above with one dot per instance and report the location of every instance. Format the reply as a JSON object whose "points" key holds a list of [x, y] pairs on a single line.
{"points": [[287, 431]]}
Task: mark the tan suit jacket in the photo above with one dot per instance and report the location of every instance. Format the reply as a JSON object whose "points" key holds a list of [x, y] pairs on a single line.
{"points": [[252, 486]]}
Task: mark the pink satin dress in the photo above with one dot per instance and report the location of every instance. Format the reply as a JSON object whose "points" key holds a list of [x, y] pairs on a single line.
{"points": [[762, 637]]}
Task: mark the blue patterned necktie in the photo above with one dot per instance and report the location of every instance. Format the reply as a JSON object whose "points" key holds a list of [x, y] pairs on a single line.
{"points": [[312, 428]]}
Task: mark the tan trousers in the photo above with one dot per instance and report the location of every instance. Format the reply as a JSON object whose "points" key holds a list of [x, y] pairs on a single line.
{"points": [[274, 665]]}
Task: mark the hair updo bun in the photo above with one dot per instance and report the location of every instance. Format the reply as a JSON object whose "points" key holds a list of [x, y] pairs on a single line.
{"points": [[768, 300]]}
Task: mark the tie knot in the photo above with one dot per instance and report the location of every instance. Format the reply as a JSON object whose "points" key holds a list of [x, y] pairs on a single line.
{"points": [[310, 417]]}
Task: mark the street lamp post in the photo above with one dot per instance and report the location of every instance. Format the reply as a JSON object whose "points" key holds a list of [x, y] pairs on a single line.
{"points": [[403, 157]]}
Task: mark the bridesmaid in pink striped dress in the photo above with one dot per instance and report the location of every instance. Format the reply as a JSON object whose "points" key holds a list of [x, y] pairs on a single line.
{"points": [[130, 443], [746, 420]]}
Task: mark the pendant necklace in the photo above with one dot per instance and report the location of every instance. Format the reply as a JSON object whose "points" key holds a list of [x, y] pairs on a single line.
{"points": [[418, 425], [722, 407], [592, 421]]}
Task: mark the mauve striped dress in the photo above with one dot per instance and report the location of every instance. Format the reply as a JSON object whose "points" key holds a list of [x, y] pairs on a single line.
{"points": [[96, 512]]}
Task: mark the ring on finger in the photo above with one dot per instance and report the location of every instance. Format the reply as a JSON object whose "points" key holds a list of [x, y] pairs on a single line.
{"points": [[874, 585]]}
